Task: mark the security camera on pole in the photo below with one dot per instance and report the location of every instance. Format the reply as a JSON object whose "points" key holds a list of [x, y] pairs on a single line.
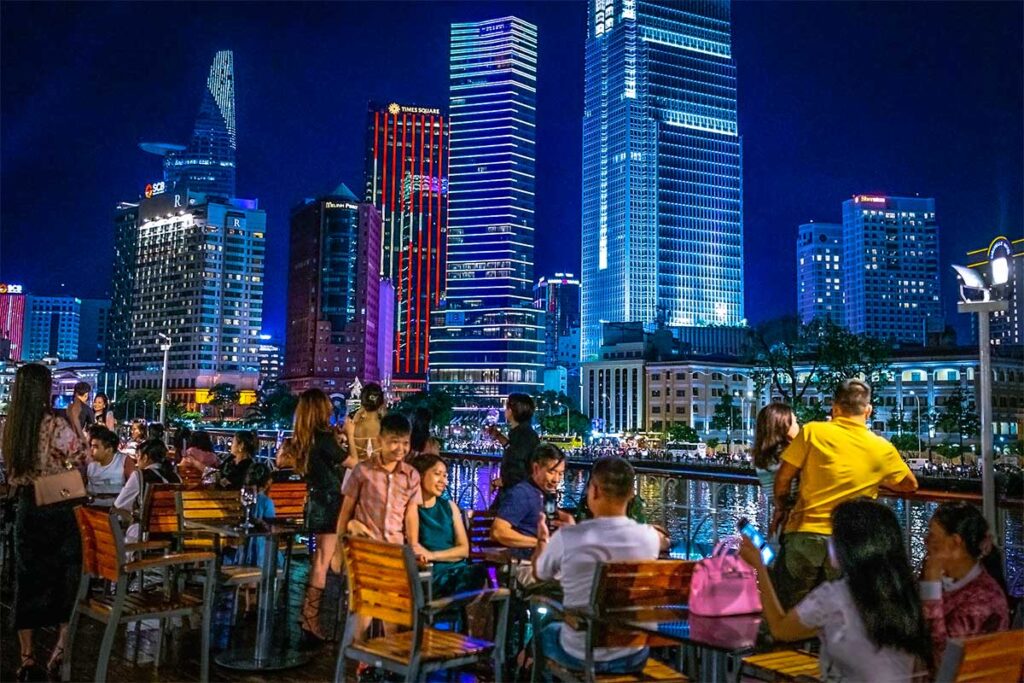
{"points": [[976, 297]]}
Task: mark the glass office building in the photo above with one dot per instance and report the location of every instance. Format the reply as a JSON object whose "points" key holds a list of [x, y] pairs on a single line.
{"points": [[486, 340], [891, 267], [819, 275], [662, 182]]}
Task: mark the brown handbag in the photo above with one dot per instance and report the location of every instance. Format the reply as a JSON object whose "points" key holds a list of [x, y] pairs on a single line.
{"points": [[66, 487]]}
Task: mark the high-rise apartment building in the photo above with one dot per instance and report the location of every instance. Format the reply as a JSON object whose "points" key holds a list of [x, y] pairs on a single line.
{"points": [[662, 167], [1001, 266], [12, 321], [486, 341], [271, 357], [819, 253], [406, 180], [51, 327], [199, 280], [559, 298], [207, 164], [94, 330], [333, 294], [126, 252], [891, 267]]}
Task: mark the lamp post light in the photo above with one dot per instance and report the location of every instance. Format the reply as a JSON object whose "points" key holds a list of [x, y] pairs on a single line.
{"points": [[976, 297], [165, 346], [918, 432]]}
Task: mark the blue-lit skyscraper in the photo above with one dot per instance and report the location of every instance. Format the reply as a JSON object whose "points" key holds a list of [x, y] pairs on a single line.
{"points": [[207, 164], [662, 188], [486, 340]]}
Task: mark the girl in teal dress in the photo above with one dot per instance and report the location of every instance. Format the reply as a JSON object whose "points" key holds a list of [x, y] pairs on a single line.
{"points": [[438, 535]]}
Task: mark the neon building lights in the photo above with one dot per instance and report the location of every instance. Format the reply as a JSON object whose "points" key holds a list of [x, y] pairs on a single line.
{"points": [[406, 179], [486, 341]]}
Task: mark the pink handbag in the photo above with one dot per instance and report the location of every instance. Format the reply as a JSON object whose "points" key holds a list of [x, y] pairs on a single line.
{"points": [[723, 585]]}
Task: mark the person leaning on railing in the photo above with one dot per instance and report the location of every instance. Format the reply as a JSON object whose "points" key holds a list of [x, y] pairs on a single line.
{"points": [[836, 461]]}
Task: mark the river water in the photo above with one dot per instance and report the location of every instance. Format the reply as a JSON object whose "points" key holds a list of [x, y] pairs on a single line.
{"points": [[699, 512]]}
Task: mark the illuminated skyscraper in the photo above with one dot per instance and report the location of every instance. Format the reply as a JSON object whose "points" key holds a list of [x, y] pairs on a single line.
{"points": [[891, 267], [819, 251], [207, 164], [406, 180], [333, 294], [487, 341], [51, 327], [662, 182]]}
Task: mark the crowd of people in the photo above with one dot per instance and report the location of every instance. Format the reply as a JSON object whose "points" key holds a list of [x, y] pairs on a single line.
{"points": [[841, 573]]}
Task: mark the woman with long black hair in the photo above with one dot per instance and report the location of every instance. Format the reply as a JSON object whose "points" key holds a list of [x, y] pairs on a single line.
{"points": [[869, 621], [47, 547]]}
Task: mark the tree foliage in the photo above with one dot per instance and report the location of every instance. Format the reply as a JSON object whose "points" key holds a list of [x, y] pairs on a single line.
{"points": [[727, 417], [438, 401], [958, 416], [799, 360], [905, 442], [579, 424], [680, 432]]}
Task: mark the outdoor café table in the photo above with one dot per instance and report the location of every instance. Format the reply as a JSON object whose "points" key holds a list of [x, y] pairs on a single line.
{"points": [[716, 638], [264, 655]]}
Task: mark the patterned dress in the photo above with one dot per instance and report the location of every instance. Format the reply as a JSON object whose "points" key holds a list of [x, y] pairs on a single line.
{"points": [[47, 547], [972, 606]]}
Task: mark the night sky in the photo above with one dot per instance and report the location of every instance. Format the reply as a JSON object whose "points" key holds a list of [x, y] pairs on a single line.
{"points": [[835, 99]]}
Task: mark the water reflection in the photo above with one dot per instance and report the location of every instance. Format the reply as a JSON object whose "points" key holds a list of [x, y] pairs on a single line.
{"points": [[697, 512]]}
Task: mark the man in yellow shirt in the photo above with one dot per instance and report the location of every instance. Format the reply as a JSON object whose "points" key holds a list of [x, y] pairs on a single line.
{"points": [[836, 461]]}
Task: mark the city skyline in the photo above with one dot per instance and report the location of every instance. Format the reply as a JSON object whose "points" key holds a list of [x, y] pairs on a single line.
{"points": [[906, 140]]}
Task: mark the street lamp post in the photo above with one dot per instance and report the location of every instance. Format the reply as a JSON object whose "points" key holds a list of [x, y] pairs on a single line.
{"points": [[165, 346], [972, 285], [918, 432]]}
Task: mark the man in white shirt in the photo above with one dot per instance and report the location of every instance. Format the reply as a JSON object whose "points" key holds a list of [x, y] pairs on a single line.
{"points": [[105, 471], [572, 554]]}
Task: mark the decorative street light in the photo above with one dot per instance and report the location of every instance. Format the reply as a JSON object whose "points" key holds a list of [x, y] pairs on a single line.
{"points": [[976, 297], [918, 432], [165, 346]]}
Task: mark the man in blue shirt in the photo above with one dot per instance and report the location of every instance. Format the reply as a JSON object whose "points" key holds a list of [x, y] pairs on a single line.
{"points": [[522, 505]]}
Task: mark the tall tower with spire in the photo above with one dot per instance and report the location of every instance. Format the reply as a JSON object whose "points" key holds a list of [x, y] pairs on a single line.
{"points": [[207, 164]]}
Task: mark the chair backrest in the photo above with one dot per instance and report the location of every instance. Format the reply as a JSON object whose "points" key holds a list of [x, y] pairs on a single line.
{"points": [[289, 499], [637, 584], [213, 505], [102, 542], [478, 529], [991, 657], [383, 581], [160, 511]]}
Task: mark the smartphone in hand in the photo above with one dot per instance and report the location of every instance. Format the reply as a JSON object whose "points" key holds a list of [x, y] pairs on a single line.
{"points": [[747, 528], [550, 510]]}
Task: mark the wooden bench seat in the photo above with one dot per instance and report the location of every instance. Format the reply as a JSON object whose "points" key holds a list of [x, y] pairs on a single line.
{"points": [[436, 645], [783, 665]]}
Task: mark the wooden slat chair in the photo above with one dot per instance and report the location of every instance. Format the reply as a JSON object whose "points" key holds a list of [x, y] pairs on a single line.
{"points": [[159, 522], [619, 587], [215, 506], [782, 665], [991, 657], [384, 584], [104, 553], [478, 530], [289, 499]]}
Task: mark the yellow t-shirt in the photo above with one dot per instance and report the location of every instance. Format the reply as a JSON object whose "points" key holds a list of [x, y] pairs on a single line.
{"points": [[838, 460]]}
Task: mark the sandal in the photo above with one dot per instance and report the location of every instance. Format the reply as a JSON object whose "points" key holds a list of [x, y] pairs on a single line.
{"points": [[56, 661], [29, 670]]}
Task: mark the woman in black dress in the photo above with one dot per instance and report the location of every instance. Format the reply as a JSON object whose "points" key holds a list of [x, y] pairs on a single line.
{"points": [[319, 458], [47, 547]]}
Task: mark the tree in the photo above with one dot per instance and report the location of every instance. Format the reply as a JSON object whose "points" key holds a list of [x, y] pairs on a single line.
{"points": [[680, 432], [712, 443], [958, 417], [897, 424], [275, 405], [222, 396], [144, 403], [949, 450], [905, 442], [579, 424], [438, 401], [798, 360], [726, 418]]}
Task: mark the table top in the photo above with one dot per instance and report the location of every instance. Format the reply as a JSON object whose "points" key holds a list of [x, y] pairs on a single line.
{"points": [[231, 529], [674, 622]]}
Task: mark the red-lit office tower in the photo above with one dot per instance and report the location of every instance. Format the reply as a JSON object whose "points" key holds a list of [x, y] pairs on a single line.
{"points": [[407, 180], [12, 321]]}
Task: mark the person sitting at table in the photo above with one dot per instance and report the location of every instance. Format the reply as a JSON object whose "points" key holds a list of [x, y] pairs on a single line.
{"points": [[572, 554], [515, 524], [104, 473], [869, 621], [199, 456], [152, 467], [962, 585], [437, 534], [235, 470]]}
